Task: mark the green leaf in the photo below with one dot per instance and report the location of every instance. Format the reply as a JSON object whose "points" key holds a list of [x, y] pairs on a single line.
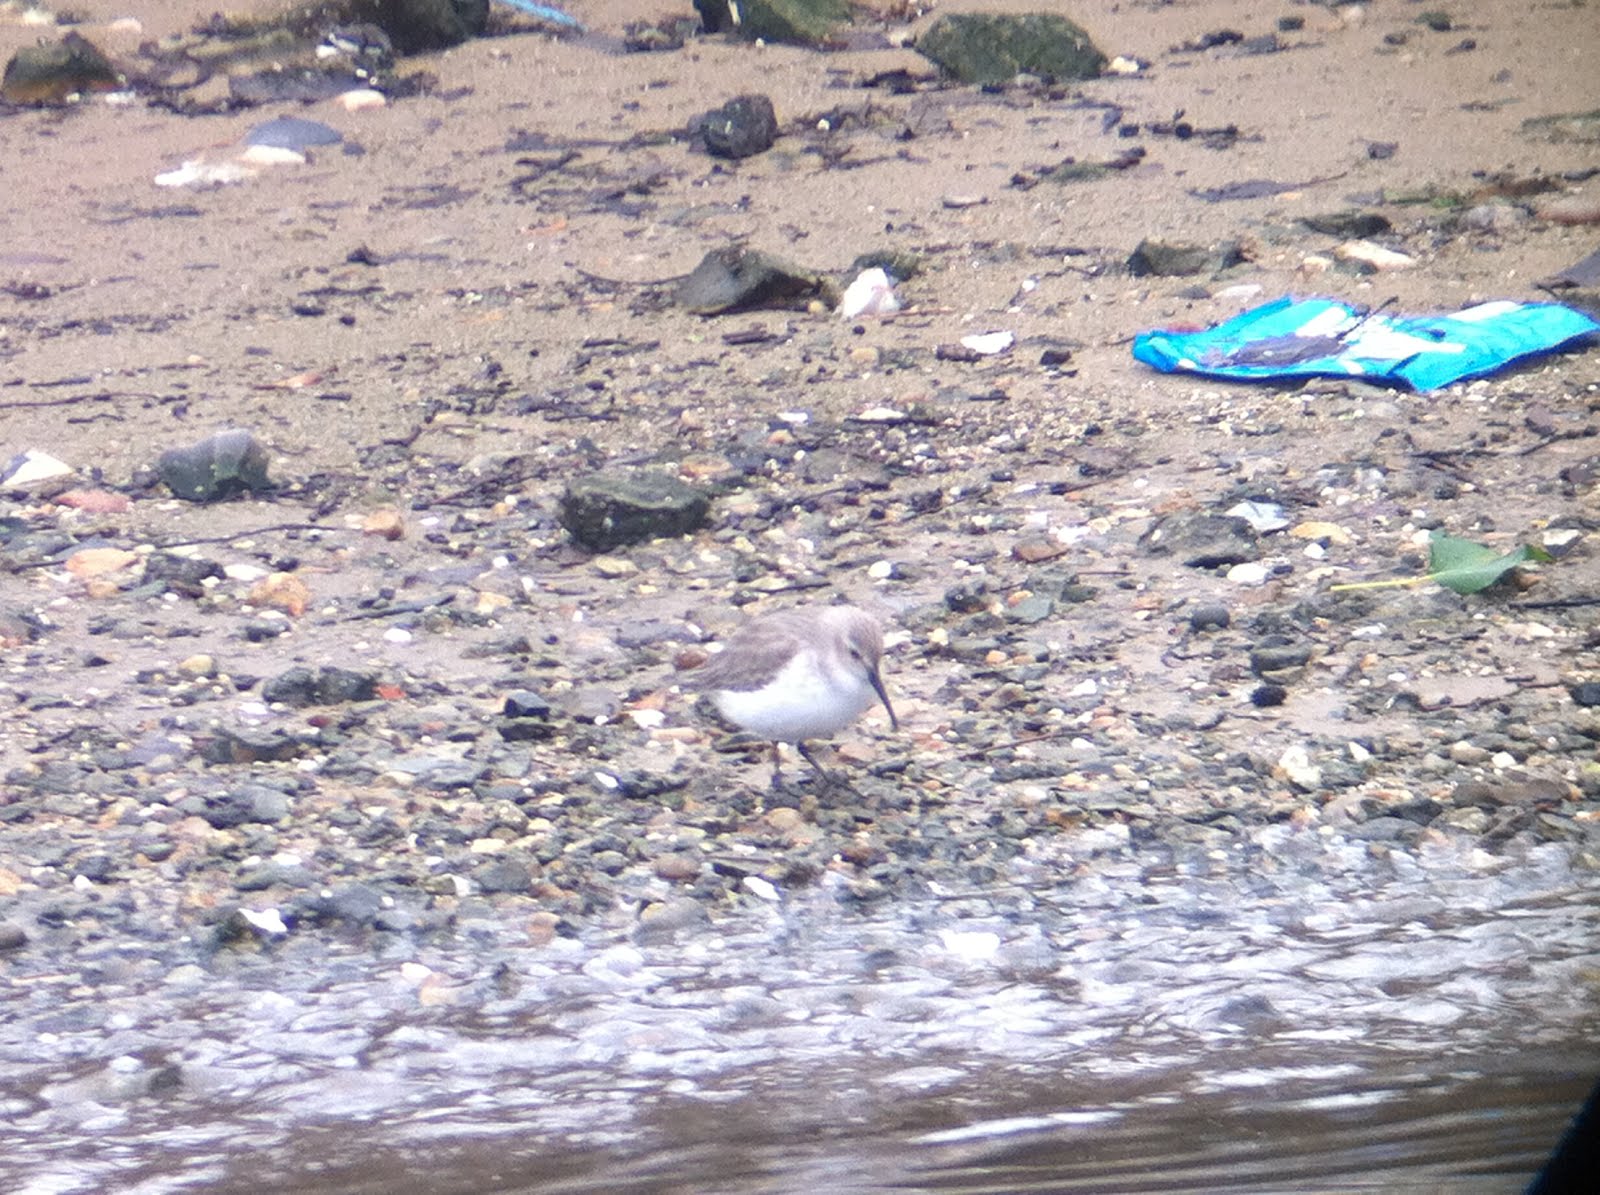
{"points": [[1466, 567], [1459, 564]]}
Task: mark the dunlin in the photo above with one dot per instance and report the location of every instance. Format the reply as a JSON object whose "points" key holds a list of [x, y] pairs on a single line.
{"points": [[799, 674]]}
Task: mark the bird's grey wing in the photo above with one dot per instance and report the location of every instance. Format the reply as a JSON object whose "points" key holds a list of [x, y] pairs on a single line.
{"points": [[755, 654]]}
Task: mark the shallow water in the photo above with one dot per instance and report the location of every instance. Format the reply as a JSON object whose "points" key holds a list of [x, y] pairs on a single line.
{"points": [[1294, 1016]]}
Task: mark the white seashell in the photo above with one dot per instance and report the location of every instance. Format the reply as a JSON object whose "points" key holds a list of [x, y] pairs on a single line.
{"points": [[989, 343], [870, 294], [197, 173], [31, 467], [361, 99], [272, 155]]}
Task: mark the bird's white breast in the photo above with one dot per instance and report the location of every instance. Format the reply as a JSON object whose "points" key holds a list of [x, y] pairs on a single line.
{"points": [[806, 700]]}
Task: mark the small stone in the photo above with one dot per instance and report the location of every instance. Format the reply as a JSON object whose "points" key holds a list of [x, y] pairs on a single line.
{"points": [[1571, 209], [247, 803], [55, 72], [228, 463], [1277, 657], [609, 510], [99, 502], [1211, 616], [362, 99], [184, 575], [1586, 693], [12, 936], [1318, 530], [524, 703], [385, 524], [503, 874], [281, 591], [198, 665], [678, 866], [994, 48], [664, 921], [1373, 258], [99, 562], [1295, 766], [743, 127], [736, 278], [1160, 259]]}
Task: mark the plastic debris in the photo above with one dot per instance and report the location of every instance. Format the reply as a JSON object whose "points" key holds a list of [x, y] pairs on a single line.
{"points": [[1305, 338], [544, 12]]}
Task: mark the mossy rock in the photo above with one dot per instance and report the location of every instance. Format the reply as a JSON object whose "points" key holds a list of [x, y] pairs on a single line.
{"points": [[986, 49]]}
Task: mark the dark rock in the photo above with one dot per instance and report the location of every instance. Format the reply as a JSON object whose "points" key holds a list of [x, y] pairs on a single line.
{"points": [[1348, 225], [996, 48], [272, 875], [1422, 810], [801, 22], [52, 74], [228, 463], [503, 875], [1386, 829], [412, 26], [736, 279], [969, 597], [245, 804], [1162, 260], [665, 921], [1267, 696], [259, 630], [1210, 616], [296, 687], [524, 703], [12, 936], [1034, 608], [1586, 693], [336, 686], [98, 868], [526, 730], [1275, 657], [608, 510], [1202, 540], [356, 904], [185, 575], [743, 127], [251, 746]]}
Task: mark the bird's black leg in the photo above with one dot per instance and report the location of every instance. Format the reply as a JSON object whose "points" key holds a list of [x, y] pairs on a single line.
{"points": [[829, 780]]}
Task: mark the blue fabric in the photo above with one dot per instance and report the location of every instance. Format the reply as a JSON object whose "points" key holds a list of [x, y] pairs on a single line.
{"points": [[1305, 338], [545, 13]]}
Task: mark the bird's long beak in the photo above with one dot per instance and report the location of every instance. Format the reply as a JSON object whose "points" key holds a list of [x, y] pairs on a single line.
{"points": [[883, 695]]}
